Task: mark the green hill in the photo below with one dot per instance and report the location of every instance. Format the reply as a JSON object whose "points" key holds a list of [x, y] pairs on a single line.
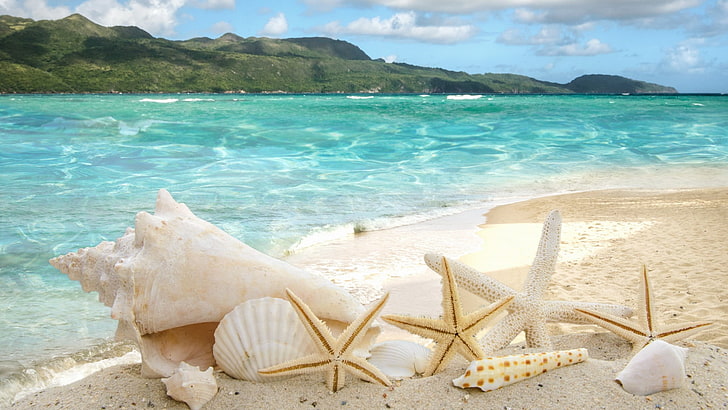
{"points": [[75, 55]]}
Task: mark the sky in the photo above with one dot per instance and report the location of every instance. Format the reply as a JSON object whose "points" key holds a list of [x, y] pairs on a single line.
{"points": [[679, 43]]}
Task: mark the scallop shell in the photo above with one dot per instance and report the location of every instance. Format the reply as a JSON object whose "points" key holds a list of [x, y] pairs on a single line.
{"points": [[191, 385], [659, 366], [399, 359], [171, 279], [257, 334], [495, 372]]}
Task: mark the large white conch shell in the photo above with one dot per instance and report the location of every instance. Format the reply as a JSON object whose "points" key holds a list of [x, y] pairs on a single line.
{"points": [[171, 280], [257, 334], [659, 366], [191, 385], [495, 372], [399, 359]]}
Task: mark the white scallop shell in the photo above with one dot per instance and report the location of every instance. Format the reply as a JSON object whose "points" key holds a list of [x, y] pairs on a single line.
{"points": [[399, 359], [659, 366], [257, 334], [495, 372], [191, 385]]}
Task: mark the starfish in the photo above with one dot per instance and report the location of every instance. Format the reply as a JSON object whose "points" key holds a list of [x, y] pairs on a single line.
{"points": [[335, 356], [645, 329], [528, 312], [455, 332]]}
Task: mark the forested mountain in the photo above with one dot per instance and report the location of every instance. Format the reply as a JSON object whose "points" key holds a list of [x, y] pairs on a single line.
{"points": [[75, 55]]}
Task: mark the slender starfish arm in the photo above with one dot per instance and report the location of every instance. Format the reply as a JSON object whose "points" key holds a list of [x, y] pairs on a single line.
{"points": [[537, 336], [565, 312], [619, 326], [682, 332], [544, 263], [353, 333], [364, 370], [306, 364], [421, 326], [441, 355], [469, 278]]}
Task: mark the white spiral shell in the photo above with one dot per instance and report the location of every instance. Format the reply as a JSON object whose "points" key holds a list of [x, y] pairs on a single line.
{"points": [[659, 366], [257, 334], [495, 372], [191, 385]]}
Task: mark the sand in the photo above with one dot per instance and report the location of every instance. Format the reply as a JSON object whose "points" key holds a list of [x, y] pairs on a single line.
{"points": [[681, 236]]}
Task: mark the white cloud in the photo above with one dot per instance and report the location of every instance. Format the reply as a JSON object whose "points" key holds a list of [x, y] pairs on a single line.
{"points": [[156, 16], [405, 26], [215, 4], [556, 11], [683, 58], [390, 58], [592, 47], [276, 26], [547, 35], [34, 9], [222, 27]]}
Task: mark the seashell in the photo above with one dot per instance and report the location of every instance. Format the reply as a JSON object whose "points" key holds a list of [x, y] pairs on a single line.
{"points": [[171, 279], [257, 334], [495, 372], [659, 366], [399, 359], [191, 385]]}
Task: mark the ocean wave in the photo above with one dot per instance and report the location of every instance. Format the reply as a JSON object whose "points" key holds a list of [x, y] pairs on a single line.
{"points": [[64, 370], [160, 100], [359, 97], [464, 97]]}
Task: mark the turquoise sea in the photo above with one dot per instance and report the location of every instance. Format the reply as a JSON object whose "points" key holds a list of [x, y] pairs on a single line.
{"points": [[282, 172]]}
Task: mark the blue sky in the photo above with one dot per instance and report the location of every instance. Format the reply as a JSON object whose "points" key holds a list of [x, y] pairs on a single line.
{"points": [[681, 43]]}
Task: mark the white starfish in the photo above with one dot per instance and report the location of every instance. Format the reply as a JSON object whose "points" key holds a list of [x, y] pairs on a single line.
{"points": [[645, 329], [336, 354], [528, 312]]}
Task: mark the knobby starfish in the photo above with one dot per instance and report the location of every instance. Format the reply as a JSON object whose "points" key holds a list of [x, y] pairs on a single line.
{"points": [[645, 329], [528, 312], [336, 355], [455, 332]]}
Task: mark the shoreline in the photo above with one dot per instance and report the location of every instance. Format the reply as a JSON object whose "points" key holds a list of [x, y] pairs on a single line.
{"points": [[600, 228]]}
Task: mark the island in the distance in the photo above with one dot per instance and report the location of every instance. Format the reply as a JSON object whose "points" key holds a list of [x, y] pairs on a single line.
{"points": [[75, 55]]}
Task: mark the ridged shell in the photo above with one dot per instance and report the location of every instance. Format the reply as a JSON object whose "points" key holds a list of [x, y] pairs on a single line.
{"points": [[659, 366], [495, 372], [191, 385], [257, 334], [399, 359]]}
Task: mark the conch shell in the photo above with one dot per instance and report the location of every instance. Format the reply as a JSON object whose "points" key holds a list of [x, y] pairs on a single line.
{"points": [[495, 372], [191, 385], [659, 366], [171, 279]]}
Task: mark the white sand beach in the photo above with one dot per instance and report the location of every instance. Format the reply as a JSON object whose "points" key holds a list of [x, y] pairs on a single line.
{"points": [[680, 235]]}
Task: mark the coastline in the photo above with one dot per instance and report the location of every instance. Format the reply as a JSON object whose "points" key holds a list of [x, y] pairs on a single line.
{"points": [[681, 235]]}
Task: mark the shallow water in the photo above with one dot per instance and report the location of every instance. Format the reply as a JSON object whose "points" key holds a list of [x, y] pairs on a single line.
{"points": [[284, 172]]}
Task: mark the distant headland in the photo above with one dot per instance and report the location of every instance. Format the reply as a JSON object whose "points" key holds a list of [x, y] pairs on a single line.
{"points": [[75, 55]]}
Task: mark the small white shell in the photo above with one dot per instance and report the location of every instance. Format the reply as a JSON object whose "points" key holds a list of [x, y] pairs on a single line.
{"points": [[495, 372], [659, 366], [257, 334], [399, 359], [191, 385]]}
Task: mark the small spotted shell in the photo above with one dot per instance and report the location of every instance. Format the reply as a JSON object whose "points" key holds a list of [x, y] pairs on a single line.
{"points": [[495, 372]]}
